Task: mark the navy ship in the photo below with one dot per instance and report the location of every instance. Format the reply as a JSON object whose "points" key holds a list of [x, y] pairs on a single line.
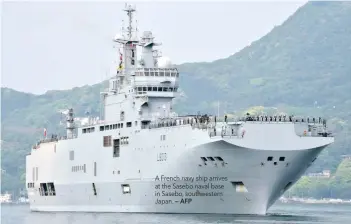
{"points": [[143, 157]]}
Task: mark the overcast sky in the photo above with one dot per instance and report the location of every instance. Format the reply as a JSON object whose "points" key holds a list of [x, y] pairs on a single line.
{"points": [[60, 45]]}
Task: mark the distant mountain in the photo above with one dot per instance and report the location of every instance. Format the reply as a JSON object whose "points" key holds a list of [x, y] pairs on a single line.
{"points": [[302, 67], [306, 59]]}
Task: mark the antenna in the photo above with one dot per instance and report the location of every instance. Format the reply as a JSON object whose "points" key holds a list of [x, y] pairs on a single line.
{"points": [[130, 9]]}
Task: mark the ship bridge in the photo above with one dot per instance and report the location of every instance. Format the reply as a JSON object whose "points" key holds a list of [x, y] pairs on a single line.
{"points": [[156, 82]]}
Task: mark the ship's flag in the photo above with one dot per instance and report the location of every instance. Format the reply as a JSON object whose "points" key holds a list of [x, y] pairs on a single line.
{"points": [[120, 62]]}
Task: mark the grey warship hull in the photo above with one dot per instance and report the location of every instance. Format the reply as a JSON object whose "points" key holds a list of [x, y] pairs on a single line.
{"points": [[222, 174]]}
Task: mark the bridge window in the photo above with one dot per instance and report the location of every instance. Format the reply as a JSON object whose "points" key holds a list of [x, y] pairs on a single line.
{"points": [[211, 158], [159, 89], [149, 88], [270, 158], [154, 89], [281, 158], [129, 124], [88, 130]]}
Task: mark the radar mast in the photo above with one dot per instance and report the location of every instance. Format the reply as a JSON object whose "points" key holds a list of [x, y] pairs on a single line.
{"points": [[130, 9], [127, 52]]}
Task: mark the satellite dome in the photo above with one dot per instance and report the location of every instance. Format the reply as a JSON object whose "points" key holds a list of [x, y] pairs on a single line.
{"points": [[164, 62]]}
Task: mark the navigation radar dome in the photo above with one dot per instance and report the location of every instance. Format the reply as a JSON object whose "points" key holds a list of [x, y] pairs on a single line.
{"points": [[164, 62]]}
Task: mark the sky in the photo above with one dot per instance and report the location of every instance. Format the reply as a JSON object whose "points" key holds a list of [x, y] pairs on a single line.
{"points": [[61, 45]]}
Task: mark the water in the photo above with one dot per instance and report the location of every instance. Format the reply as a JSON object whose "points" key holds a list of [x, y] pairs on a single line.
{"points": [[280, 213]]}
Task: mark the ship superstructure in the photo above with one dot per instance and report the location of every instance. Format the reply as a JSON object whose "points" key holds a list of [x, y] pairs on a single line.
{"points": [[143, 157]]}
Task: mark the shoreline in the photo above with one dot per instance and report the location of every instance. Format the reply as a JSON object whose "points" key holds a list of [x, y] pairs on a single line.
{"points": [[313, 200]]}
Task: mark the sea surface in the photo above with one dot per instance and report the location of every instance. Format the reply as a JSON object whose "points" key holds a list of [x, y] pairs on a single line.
{"points": [[279, 213]]}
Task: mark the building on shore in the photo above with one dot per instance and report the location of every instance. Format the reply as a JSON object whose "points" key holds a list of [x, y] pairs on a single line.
{"points": [[323, 174], [5, 198], [346, 157]]}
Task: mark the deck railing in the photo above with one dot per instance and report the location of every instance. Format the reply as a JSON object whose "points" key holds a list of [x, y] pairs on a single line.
{"points": [[209, 123], [53, 138]]}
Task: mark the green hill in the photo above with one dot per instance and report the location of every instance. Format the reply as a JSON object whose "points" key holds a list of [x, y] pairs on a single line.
{"points": [[302, 67], [338, 185]]}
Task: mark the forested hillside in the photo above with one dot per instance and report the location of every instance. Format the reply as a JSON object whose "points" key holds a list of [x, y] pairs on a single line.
{"points": [[338, 185], [301, 67]]}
